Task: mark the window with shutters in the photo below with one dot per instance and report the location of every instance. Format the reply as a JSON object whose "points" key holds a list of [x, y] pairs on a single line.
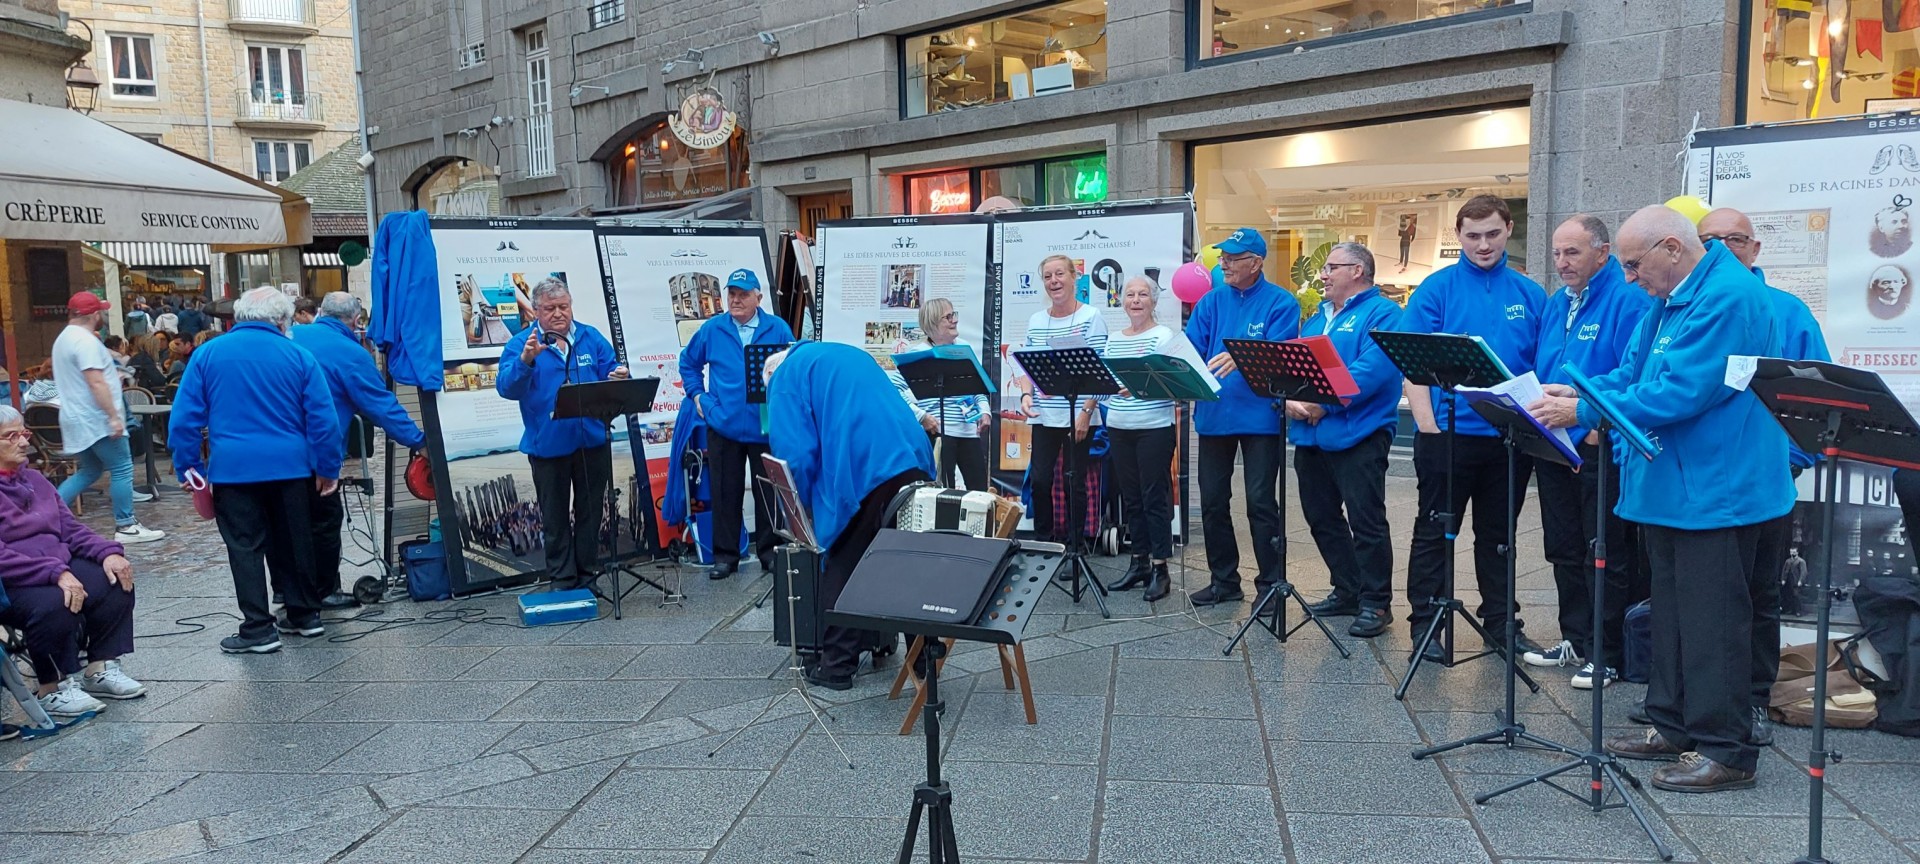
{"points": [[473, 32]]}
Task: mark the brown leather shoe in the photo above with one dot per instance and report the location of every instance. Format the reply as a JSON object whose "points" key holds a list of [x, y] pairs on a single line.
{"points": [[1648, 745], [1697, 773]]}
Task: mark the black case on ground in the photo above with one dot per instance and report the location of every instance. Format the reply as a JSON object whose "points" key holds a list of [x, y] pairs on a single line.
{"points": [[926, 576]]}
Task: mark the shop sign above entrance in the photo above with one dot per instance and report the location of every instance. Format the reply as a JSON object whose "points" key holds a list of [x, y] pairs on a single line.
{"points": [[703, 121]]}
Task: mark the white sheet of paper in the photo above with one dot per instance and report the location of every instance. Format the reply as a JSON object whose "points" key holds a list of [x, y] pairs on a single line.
{"points": [[1525, 390], [1181, 348], [1740, 371]]}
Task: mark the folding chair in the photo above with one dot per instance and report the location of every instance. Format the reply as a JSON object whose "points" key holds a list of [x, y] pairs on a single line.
{"points": [[39, 723]]}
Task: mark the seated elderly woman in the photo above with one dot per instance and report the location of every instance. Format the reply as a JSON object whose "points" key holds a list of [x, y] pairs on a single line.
{"points": [[69, 587]]}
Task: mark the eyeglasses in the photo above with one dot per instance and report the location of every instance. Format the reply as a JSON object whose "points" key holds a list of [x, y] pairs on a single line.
{"points": [[1733, 241], [1632, 266], [1328, 266], [22, 436], [951, 317], [1242, 258]]}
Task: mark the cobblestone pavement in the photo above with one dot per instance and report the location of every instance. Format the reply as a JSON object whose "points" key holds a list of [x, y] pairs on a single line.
{"points": [[457, 737]]}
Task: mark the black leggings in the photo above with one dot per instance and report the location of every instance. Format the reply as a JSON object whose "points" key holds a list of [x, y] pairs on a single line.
{"points": [[1143, 465], [969, 455]]}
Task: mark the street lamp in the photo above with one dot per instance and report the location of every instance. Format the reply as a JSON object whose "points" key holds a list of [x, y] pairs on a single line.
{"points": [[83, 87]]}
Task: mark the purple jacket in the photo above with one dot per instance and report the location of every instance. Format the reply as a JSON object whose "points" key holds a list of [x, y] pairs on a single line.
{"points": [[38, 535]]}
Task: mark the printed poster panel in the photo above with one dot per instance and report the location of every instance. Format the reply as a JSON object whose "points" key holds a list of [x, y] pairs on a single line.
{"points": [[878, 273]]}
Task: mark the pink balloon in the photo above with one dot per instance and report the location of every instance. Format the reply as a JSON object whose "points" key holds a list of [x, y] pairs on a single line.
{"points": [[1191, 282]]}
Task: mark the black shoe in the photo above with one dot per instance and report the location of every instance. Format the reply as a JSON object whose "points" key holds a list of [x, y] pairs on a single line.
{"points": [[238, 644], [817, 679], [1521, 644], [1434, 653], [1138, 571], [1638, 713], [1158, 584], [1335, 606], [309, 627], [1762, 728], [1213, 594], [1370, 623], [723, 569], [339, 600]]}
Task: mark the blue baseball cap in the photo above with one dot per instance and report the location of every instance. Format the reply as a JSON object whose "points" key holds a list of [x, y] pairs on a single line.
{"points": [[1242, 241], [743, 280]]}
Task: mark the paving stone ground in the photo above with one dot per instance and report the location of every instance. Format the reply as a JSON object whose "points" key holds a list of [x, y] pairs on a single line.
{"points": [[440, 732]]}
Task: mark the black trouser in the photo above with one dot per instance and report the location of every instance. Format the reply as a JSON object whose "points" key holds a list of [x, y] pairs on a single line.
{"points": [[267, 525], [573, 502], [1048, 443], [1702, 639], [1776, 537], [732, 462], [969, 455], [1569, 504], [1260, 457], [1479, 472], [1906, 485], [55, 636], [1343, 497], [840, 646], [1143, 468], [328, 512]]}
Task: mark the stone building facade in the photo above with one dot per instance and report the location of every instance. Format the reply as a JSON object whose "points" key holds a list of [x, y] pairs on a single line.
{"points": [[35, 51], [859, 107]]}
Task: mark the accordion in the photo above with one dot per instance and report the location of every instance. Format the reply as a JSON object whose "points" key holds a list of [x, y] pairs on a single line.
{"points": [[949, 510]]}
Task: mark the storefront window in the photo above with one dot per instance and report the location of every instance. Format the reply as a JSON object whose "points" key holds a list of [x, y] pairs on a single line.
{"points": [[951, 192], [1239, 26], [1052, 49], [655, 167], [1077, 181], [461, 187], [1067, 180], [1393, 187], [1791, 72], [1014, 183]]}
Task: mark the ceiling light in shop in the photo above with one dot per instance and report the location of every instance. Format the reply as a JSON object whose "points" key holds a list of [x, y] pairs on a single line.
{"points": [[1307, 149]]}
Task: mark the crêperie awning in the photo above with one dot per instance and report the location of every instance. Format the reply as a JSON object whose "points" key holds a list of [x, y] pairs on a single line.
{"points": [[65, 176]]}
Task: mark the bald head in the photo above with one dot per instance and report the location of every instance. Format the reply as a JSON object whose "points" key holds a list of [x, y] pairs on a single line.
{"points": [[1732, 228], [1657, 247]]}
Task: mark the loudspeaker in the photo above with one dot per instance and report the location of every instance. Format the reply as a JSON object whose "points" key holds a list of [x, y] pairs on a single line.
{"points": [[803, 632]]}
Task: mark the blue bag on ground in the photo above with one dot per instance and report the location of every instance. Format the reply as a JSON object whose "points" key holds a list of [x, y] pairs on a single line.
{"points": [[425, 564]]}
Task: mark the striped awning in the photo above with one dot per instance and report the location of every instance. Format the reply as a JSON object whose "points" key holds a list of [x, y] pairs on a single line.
{"points": [[321, 259], [135, 253]]}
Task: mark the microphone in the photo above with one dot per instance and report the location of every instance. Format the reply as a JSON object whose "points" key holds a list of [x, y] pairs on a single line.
{"points": [[548, 338]]}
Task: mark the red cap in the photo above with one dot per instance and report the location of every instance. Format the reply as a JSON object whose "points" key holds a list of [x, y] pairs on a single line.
{"points": [[86, 303]]}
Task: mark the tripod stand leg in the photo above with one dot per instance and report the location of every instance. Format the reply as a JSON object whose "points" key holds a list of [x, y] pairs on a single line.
{"points": [[764, 596], [1259, 608], [1420, 648], [1318, 621], [913, 832], [1500, 648]]}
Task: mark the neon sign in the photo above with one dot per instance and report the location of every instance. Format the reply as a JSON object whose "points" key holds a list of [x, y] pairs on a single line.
{"points": [[1090, 184], [944, 201]]}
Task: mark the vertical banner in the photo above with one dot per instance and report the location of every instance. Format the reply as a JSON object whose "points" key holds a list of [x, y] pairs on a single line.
{"points": [[876, 273], [666, 281]]}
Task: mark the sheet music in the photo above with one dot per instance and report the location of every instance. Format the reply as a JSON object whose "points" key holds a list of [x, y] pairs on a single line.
{"points": [[1524, 390], [1181, 348], [1740, 369]]}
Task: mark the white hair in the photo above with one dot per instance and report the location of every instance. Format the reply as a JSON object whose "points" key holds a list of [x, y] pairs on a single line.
{"points": [[773, 362], [341, 305], [547, 288], [264, 304], [8, 416]]}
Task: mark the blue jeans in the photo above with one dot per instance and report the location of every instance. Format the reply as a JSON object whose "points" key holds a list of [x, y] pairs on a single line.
{"points": [[112, 457]]}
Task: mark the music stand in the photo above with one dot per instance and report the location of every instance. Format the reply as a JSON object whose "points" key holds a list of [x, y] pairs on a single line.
{"points": [[1281, 371], [1003, 622], [1840, 413], [945, 371], [1603, 766], [757, 355], [1449, 362], [1074, 372], [607, 401]]}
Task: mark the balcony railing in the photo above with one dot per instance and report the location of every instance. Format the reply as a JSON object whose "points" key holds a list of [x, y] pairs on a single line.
{"points": [[292, 14], [603, 14], [540, 144], [289, 107]]}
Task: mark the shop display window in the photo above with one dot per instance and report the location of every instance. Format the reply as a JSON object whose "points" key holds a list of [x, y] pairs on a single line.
{"points": [[1230, 27], [1064, 180], [1791, 71], [655, 167], [462, 187], [1048, 49]]}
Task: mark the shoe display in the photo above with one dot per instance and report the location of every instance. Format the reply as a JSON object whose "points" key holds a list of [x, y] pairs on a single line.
{"points": [[339, 600], [1697, 773], [310, 627], [1335, 606], [68, 700], [1563, 654], [1762, 735], [1138, 571], [1159, 585], [137, 533], [1649, 746], [238, 644], [1638, 713], [112, 682], [1370, 623], [1213, 594], [723, 569], [1583, 679]]}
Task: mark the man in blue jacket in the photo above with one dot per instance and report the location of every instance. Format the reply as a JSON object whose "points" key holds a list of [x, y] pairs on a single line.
{"points": [[1340, 451], [713, 368], [852, 444], [1587, 326], [1705, 499], [572, 460], [1799, 339], [274, 442], [1477, 296], [1240, 423], [357, 388]]}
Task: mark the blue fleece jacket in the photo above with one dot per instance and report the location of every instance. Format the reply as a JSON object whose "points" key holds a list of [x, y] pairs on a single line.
{"points": [[1722, 460], [536, 387], [1262, 311], [1609, 311], [843, 429], [716, 351], [406, 300], [1800, 339], [265, 405], [355, 382], [1377, 406], [1497, 304]]}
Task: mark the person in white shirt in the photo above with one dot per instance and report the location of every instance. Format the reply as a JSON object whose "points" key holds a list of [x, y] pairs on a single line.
{"points": [[1143, 439], [168, 322], [961, 421], [93, 426], [1058, 427]]}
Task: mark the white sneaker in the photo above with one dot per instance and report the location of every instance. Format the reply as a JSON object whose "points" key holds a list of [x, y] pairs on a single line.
{"points": [[69, 701], [140, 497], [112, 683], [1562, 654], [137, 533], [1583, 679]]}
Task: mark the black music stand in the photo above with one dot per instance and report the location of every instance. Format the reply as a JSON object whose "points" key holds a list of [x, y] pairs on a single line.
{"points": [[1003, 622], [1076, 373], [1281, 371], [1603, 766], [607, 401], [757, 355], [940, 375], [1449, 362], [1840, 413]]}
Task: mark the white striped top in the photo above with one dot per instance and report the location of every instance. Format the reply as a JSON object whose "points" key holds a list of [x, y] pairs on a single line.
{"points": [[1042, 329], [963, 413], [1126, 412]]}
